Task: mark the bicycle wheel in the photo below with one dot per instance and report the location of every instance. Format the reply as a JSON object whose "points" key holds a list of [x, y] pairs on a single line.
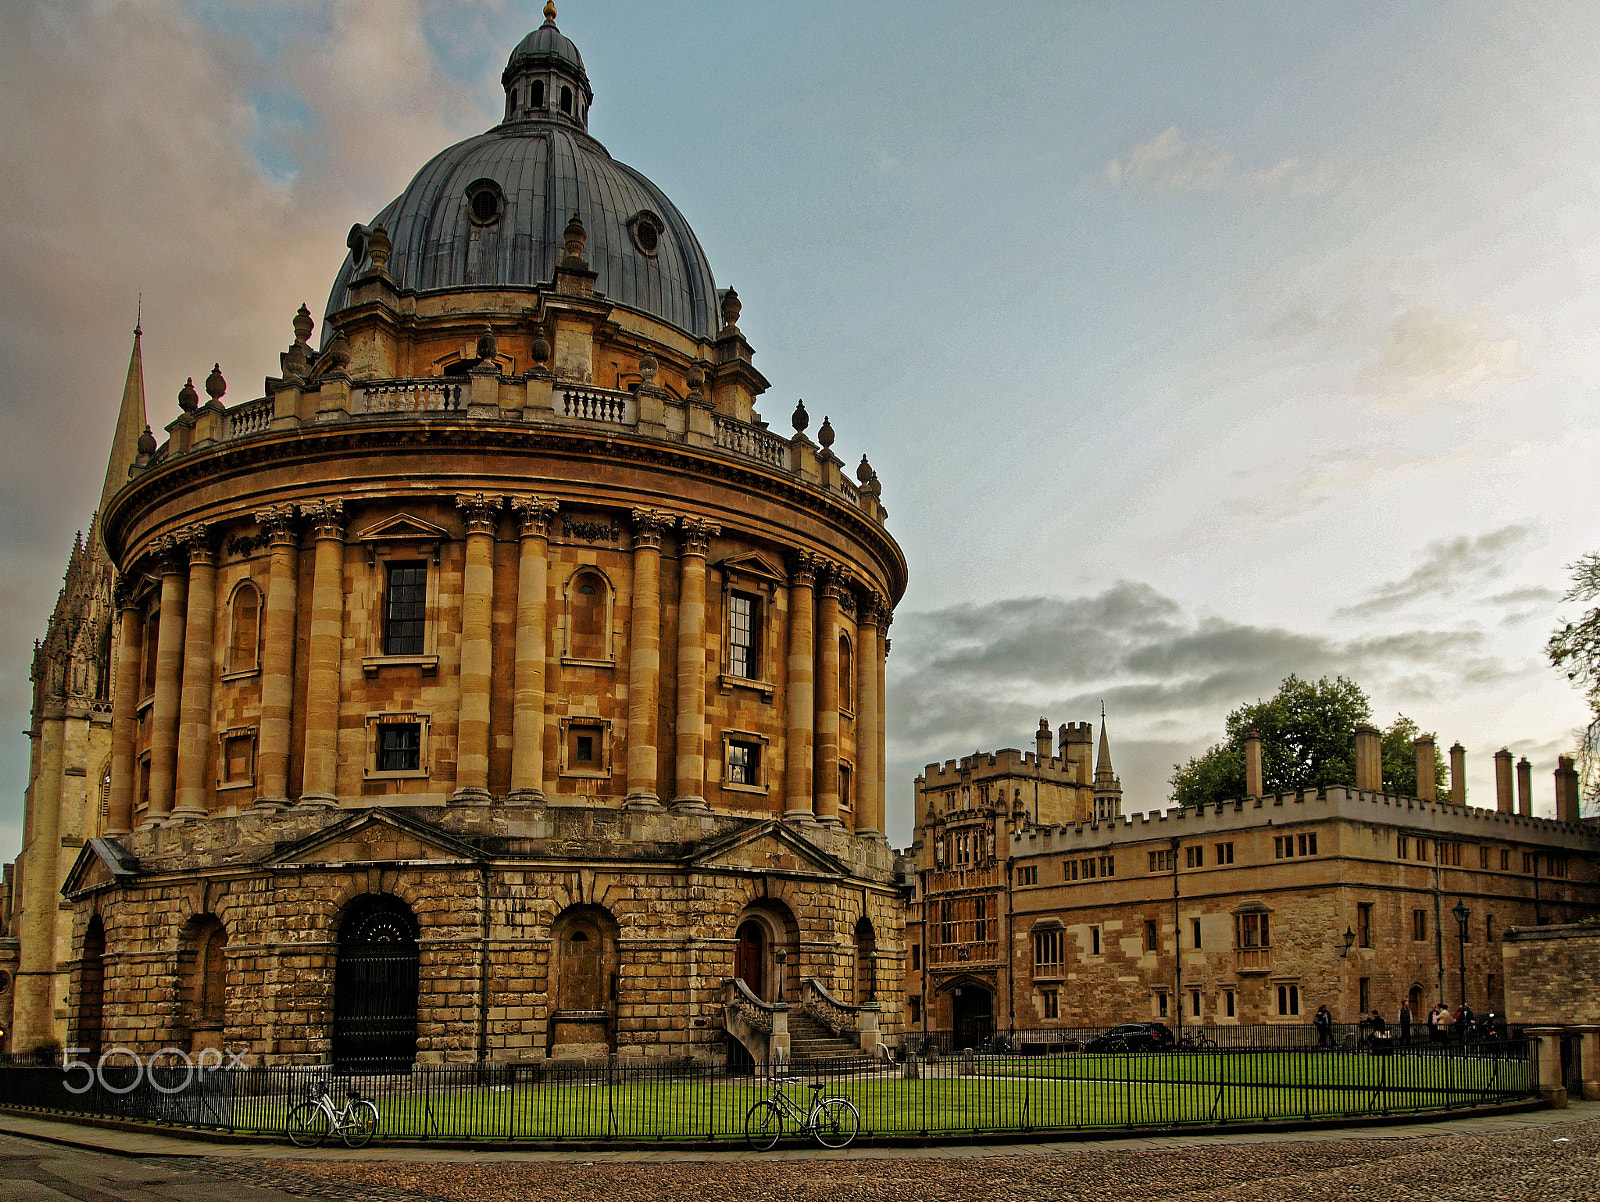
{"points": [[363, 1125], [307, 1125], [763, 1126], [837, 1123]]}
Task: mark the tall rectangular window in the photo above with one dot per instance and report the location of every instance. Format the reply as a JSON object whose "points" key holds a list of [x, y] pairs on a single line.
{"points": [[1402, 847], [1365, 992], [846, 797], [744, 626], [1047, 947], [1227, 1004], [405, 609], [916, 957], [947, 923], [1195, 932], [1253, 930], [1288, 999], [1419, 925], [744, 763], [1152, 937], [1483, 857], [1052, 1002], [1161, 1005], [980, 915], [1364, 927], [1224, 853], [1194, 1000], [1195, 856], [1094, 941], [1505, 859]]}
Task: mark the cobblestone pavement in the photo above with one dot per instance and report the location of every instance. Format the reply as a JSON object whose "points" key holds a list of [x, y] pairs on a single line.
{"points": [[1555, 1163]]}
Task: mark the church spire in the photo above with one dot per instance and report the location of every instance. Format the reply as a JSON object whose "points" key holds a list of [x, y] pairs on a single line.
{"points": [[131, 423], [1102, 767]]}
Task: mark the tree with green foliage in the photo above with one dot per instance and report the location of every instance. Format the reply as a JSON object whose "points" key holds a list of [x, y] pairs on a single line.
{"points": [[1307, 733], [1400, 760], [1575, 650]]}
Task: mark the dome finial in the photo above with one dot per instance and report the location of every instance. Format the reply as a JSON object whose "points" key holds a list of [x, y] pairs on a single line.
{"points": [[549, 12]]}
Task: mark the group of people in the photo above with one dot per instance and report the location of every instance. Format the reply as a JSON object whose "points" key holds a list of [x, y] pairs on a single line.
{"points": [[1441, 1022]]}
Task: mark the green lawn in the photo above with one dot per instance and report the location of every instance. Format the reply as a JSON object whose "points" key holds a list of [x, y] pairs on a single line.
{"points": [[1041, 1093]]}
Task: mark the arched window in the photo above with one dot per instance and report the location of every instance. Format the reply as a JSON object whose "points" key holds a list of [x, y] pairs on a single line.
{"points": [[92, 988], [538, 94], [244, 629], [587, 609], [152, 626], [203, 980], [566, 100], [846, 674], [866, 982]]}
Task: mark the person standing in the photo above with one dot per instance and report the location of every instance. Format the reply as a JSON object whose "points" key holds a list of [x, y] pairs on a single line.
{"points": [[1445, 1023], [1323, 1021], [1433, 1025], [1405, 1021]]}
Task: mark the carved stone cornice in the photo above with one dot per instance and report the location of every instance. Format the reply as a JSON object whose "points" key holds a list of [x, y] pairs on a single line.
{"points": [[803, 569], [534, 514], [479, 511], [201, 542], [847, 600], [648, 525], [172, 555], [279, 525], [326, 518], [697, 535]]}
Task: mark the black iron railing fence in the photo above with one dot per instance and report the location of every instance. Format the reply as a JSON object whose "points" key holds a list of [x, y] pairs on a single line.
{"points": [[962, 1094]]}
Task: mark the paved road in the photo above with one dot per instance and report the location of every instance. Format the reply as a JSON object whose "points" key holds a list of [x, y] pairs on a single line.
{"points": [[1546, 1156]]}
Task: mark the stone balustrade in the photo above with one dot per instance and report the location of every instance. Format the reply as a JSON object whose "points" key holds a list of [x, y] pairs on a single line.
{"points": [[816, 1000]]}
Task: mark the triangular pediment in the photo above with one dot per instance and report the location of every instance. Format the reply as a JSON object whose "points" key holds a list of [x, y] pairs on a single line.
{"points": [[751, 563], [767, 847], [376, 837], [403, 527], [100, 862]]}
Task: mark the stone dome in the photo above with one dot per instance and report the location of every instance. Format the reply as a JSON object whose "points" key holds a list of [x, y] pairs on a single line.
{"points": [[490, 211]]}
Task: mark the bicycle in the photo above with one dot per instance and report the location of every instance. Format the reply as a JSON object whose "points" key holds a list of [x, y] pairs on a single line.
{"points": [[1196, 1041], [832, 1122], [313, 1120]]}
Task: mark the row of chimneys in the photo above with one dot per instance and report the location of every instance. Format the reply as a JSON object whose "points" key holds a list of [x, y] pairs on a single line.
{"points": [[1369, 774]]}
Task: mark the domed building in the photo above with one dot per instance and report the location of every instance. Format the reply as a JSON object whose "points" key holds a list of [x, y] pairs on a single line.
{"points": [[498, 685]]}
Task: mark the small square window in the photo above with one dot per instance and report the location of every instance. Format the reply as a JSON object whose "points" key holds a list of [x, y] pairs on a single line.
{"points": [[1224, 853], [400, 747], [236, 765], [744, 763], [585, 747]]}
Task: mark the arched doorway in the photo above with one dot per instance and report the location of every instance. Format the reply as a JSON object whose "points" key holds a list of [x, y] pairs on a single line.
{"points": [[92, 989], [972, 1012], [375, 985], [749, 954], [584, 983], [204, 981], [1415, 997]]}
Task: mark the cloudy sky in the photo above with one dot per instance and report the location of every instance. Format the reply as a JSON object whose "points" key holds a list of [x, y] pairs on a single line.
{"points": [[1196, 344]]}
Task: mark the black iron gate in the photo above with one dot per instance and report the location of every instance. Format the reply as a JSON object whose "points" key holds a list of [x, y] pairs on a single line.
{"points": [[375, 987]]}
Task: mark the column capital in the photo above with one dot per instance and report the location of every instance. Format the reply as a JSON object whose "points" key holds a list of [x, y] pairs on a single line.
{"points": [[478, 510], [874, 608], [803, 569], [534, 514], [648, 525], [837, 584], [279, 525], [200, 540], [326, 518], [124, 593], [697, 534], [172, 554]]}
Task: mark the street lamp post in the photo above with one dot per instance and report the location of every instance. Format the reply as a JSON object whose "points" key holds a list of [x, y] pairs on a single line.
{"points": [[1462, 914], [780, 957]]}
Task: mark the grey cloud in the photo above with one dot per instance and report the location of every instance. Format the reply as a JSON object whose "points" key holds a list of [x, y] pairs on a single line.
{"points": [[1160, 672], [1449, 565], [1526, 596]]}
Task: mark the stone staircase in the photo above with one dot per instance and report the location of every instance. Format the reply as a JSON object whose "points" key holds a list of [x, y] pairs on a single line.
{"points": [[810, 1041]]}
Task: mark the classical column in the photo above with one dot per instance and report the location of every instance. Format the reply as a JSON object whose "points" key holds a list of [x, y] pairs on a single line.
{"points": [[869, 819], [644, 658], [802, 706], [885, 616], [194, 714], [169, 680], [319, 784], [124, 715], [527, 719], [278, 525], [696, 539], [826, 784], [477, 601]]}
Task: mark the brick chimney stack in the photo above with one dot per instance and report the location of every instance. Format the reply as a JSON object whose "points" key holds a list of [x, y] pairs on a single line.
{"points": [[1427, 783], [1042, 740], [1458, 774], [1502, 781], [1252, 764], [1369, 759], [1566, 789], [1525, 787]]}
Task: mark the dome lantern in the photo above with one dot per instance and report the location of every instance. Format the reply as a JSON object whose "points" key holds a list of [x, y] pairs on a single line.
{"points": [[545, 79]]}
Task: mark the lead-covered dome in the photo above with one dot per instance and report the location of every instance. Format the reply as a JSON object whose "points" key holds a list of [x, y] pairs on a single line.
{"points": [[490, 211]]}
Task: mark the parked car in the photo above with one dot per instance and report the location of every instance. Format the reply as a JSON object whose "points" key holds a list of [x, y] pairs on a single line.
{"points": [[1133, 1037]]}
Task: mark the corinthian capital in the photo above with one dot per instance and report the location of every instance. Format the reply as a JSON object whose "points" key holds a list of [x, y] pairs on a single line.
{"points": [[478, 511], [199, 541], [648, 525], [278, 524], [803, 569], [534, 514], [874, 608], [697, 534], [326, 518], [172, 554]]}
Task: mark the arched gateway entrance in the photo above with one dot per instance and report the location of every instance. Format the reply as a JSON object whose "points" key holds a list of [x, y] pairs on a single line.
{"points": [[972, 1012], [375, 985]]}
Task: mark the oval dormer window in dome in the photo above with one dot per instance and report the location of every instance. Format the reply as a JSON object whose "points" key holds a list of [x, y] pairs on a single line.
{"points": [[646, 229], [485, 201]]}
